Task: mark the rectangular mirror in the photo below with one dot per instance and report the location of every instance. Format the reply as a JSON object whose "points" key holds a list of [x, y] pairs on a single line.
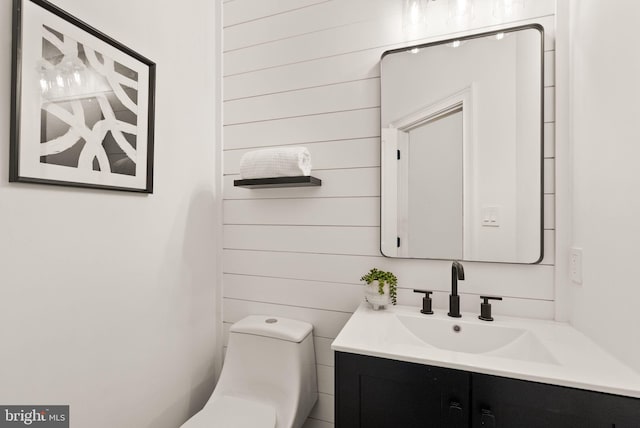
{"points": [[462, 148]]}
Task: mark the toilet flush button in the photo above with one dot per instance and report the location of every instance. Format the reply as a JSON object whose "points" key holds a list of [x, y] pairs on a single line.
{"points": [[271, 321]]}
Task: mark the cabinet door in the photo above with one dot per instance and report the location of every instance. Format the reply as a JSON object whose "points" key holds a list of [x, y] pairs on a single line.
{"points": [[508, 403], [379, 393]]}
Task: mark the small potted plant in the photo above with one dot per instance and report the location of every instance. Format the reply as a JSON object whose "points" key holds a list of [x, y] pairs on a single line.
{"points": [[381, 288]]}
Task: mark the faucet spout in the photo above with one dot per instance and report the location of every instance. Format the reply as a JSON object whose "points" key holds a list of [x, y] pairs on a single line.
{"points": [[457, 273]]}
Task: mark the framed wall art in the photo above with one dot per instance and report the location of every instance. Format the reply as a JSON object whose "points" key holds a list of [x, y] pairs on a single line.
{"points": [[82, 104]]}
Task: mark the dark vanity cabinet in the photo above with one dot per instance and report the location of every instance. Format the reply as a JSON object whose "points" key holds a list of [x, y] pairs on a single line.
{"points": [[501, 402], [379, 393]]}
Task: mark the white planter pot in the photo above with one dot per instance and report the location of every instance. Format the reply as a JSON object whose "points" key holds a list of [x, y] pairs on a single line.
{"points": [[373, 296]]}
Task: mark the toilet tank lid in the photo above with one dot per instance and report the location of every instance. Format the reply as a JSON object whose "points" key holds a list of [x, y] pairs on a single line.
{"points": [[271, 326]]}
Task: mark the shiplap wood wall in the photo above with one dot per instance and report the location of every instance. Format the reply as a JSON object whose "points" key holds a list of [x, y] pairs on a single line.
{"points": [[305, 72]]}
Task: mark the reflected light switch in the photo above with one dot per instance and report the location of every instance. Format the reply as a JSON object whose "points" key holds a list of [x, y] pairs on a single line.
{"points": [[490, 216]]}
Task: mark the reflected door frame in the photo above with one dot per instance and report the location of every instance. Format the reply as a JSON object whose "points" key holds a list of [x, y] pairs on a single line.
{"points": [[463, 99]]}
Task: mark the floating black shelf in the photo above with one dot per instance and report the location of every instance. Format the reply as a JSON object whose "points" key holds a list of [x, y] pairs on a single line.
{"points": [[268, 183]]}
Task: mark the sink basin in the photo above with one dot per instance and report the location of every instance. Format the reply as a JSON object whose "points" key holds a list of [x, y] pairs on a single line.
{"points": [[541, 351], [478, 338]]}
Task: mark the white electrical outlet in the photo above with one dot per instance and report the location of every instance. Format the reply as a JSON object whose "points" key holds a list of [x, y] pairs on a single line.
{"points": [[575, 265]]}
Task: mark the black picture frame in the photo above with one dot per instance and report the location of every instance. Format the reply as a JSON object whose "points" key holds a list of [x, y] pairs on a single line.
{"points": [[82, 104]]}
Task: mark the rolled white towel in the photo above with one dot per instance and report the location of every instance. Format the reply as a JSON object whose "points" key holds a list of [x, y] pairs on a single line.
{"points": [[276, 162]]}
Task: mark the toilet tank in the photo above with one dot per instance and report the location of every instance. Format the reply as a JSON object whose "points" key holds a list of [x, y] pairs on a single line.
{"points": [[272, 360]]}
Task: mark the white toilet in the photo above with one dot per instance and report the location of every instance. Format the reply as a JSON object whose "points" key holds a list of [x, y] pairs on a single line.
{"points": [[268, 379]]}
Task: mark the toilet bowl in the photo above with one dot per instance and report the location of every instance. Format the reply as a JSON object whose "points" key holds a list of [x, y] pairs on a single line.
{"points": [[268, 379]]}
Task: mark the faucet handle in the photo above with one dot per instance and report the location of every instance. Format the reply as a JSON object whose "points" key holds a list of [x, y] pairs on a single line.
{"points": [[427, 303], [485, 308]]}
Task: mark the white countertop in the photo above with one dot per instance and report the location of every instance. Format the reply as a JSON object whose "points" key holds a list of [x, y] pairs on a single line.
{"points": [[579, 362]]}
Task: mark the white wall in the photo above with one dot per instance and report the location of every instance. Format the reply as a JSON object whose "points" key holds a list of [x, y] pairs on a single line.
{"points": [[306, 72], [604, 84], [108, 298]]}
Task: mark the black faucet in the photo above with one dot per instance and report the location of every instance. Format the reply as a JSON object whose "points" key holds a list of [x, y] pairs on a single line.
{"points": [[457, 273]]}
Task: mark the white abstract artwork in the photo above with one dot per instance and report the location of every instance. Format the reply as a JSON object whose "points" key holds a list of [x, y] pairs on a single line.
{"points": [[89, 108], [94, 102]]}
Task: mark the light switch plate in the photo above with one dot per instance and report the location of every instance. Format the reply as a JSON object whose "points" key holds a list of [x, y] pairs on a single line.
{"points": [[491, 216]]}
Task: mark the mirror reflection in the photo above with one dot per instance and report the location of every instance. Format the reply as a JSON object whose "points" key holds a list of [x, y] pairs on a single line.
{"points": [[462, 148]]}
